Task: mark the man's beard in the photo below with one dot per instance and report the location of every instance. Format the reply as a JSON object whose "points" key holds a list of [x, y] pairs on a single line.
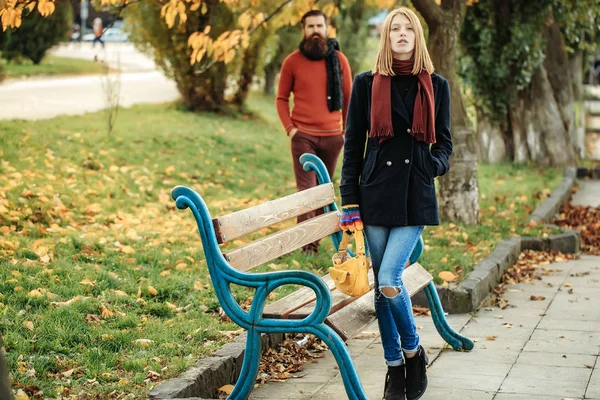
{"points": [[315, 47]]}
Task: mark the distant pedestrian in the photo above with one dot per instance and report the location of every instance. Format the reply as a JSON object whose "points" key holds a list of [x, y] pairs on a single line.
{"points": [[97, 32]]}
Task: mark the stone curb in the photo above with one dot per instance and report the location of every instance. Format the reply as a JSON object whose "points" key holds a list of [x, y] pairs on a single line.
{"points": [[485, 276], [210, 373]]}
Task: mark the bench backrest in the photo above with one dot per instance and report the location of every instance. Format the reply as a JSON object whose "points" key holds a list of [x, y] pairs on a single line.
{"points": [[260, 251]]}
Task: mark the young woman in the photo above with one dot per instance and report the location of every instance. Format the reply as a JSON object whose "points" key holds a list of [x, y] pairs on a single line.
{"points": [[401, 111]]}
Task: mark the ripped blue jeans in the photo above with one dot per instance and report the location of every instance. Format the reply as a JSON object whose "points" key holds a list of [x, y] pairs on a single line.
{"points": [[390, 249]]}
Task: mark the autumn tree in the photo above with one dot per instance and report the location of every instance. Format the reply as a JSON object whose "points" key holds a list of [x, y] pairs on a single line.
{"points": [[37, 34], [458, 192]]}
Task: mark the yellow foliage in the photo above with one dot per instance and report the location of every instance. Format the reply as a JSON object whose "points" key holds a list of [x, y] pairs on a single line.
{"points": [[330, 10]]}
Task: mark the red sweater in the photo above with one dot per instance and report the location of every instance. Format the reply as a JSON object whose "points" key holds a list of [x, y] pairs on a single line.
{"points": [[308, 80]]}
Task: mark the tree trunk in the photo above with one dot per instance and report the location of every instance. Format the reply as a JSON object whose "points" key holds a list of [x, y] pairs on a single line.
{"points": [[576, 71], [353, 34], [494, 144], [270, 74], [205, 92], [537, 126], [252, 57], [458, 193], [557, 66]]}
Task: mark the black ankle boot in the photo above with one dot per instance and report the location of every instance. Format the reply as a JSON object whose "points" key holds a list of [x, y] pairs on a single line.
{"points": [[395, 382], [416, 374]]}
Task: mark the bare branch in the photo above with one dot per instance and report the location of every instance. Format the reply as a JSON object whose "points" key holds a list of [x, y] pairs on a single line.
{"points": [[432, 13]]}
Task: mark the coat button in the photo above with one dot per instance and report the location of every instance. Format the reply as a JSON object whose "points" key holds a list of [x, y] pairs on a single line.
{"points": [[408, 130], [389, 163], [406, 161]]}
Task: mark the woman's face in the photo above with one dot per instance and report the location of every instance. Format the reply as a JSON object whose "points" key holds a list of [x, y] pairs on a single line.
{"points": [[402, 38]]}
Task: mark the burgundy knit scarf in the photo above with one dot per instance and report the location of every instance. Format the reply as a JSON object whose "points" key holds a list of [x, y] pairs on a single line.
{"points": [[423, 127]]}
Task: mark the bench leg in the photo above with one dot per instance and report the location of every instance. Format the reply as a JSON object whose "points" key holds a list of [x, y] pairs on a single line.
{"points": [[250, 366], [352, 384], [453, 338]]}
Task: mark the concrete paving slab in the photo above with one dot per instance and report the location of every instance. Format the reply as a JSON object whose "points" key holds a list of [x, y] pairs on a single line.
{"points": [[556, 359]]}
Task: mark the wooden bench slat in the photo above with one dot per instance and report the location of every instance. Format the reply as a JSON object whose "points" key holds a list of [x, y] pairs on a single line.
{"points": [[277, 244], [415, 277], [243, 222], [349, 315], [357, 316]]}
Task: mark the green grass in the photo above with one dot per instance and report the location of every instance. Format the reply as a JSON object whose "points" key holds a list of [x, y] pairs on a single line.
{"points": [[52, 66], [86, 214]]}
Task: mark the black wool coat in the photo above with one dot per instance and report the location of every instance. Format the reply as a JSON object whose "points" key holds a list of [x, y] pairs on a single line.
{"points": [[392, 182]]}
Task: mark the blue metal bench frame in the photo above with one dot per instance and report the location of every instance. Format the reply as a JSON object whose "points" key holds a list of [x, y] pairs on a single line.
{"points": [[223, 275]]}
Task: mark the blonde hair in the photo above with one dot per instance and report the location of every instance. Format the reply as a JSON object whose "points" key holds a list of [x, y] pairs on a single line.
{"points": [[383, 61]]}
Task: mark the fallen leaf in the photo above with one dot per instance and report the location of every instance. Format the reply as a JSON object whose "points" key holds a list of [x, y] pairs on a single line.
{"points": [[447, 276], [152, 291], [28, 325], [537, 298], [127, 250], [227, 389], [143, 342], [491, 338], [88, 282], [35, 293]]}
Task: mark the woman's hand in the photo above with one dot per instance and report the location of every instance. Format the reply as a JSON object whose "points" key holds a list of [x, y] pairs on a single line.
{"points": [[350, 220]]}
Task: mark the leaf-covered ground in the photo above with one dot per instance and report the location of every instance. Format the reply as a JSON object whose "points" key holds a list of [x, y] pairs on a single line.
{"points": [[103, 286]]}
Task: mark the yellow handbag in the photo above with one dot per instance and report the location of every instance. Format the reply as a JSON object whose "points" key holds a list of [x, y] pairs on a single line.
{"points": [[350, 274]]}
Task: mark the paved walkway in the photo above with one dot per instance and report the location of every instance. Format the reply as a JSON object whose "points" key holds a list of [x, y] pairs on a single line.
{"points": [[40, 98], [538, 350]]}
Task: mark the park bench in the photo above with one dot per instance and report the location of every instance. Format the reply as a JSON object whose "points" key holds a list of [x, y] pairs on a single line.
{"points": [[317, 308]]}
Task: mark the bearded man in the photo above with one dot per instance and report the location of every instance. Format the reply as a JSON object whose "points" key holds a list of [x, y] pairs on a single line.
{"points": [[319, 76]]}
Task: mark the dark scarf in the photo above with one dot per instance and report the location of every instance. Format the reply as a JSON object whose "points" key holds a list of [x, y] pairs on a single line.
{"points": [[423, 127], [335, 96]]}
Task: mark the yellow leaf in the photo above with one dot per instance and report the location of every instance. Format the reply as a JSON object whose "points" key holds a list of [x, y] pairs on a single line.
{"points": [[121, 293], [296, 263], [21, 395], [28, 325], [447, 276], [165, 273], [181, 266], [35, 293], [492, 337], [143, 342], [204, 8], [227, 389], [152, 291], [127, 250], [465, 236], [139, 293], [106, 313], [87, 282], [198, 285], [14, 272]]}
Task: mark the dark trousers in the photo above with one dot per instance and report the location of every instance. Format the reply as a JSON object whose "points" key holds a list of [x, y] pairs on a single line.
{"points": [[327, 148]]}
